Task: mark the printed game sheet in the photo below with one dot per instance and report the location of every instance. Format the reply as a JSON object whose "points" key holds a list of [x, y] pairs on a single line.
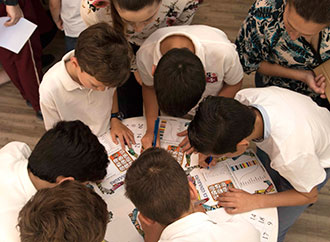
{"points": [[245, 172]]}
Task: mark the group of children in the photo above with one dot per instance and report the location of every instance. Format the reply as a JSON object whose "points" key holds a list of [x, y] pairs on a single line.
{"points": [[192, 71]]}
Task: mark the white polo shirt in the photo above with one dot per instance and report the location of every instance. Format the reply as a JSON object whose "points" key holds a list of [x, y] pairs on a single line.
{"points": [[198, 227], [298, 143], [61, 98], [72, 21], [217, 54], [16, 188]]}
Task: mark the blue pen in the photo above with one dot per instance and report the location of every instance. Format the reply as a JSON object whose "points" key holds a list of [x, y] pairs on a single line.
{"points": [[155, 132], [208, 160]]}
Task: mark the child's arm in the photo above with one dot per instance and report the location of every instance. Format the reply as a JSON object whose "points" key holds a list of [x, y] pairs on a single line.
{"points": [[151, 112], [239, 201], [55, 10], [230, 90], [117, 129]]}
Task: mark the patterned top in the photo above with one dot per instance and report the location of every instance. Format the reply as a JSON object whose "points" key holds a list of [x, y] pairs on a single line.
{"points": [[171, 12], [263, 37], [9, 2]]}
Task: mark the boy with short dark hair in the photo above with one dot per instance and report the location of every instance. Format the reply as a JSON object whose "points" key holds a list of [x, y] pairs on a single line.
{"points": [[287, 126], [67, 212], [184, 71], [160, 190], [69, 151], [176, 85], [83, 84]]}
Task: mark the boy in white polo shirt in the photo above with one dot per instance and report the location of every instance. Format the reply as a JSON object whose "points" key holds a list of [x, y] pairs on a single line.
{"points": [[83, 84], [69, 151], [167, 201], [288, 126], [181, 57]]}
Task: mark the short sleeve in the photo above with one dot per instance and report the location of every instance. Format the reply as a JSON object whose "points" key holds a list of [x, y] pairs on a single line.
{"points": [[233, 71], [48, 108], [303, 173], [144, 66]]}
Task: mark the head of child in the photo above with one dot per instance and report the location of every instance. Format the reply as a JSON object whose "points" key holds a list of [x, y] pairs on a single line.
{"points": [[102, 58], [69, 151], [68, 212], [136, 14], [221, 126], [179, 81], [306, 18], [159, 188]]}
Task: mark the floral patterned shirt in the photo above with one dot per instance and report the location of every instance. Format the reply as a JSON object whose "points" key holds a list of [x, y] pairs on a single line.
{"points": [[263, 37], [170, 13]]}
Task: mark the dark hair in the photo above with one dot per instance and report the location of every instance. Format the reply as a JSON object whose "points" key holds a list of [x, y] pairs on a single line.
{"points": [[129, 5], [315, 11], [220, 124], [104, 54], [179, 81], [158, 186], [69, 149], [69, 211]]}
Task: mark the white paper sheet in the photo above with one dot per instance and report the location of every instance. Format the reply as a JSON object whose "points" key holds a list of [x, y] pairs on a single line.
{"points": [[14, 37]]}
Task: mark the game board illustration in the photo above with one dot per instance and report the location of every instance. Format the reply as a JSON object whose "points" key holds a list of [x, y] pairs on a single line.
{"points": [[245, 172], [219, 188], [121, 159]]}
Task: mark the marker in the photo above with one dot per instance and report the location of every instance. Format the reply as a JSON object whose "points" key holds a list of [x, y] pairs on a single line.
{"points": [[201, 202], [155, 132], [208, 160]]}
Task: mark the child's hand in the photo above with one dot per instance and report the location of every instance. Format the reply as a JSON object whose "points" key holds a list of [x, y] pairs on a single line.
{"points": [[185, 144], [124, 134], [202, 161], [147, 140], [238, 201]]}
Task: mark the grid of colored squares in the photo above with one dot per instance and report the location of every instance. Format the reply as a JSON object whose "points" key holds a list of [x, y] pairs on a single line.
{"points": [[122, 160], [218, 188], [243, 165], [176, 152], [162, 129]]}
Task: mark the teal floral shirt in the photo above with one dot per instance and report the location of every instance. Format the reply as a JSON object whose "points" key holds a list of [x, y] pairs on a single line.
{"points": [[263, 37]]}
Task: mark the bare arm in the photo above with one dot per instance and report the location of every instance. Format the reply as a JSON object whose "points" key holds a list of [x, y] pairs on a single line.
{"points": [[238, 201], [317, 84], [117, 129], [55, 10], [230, 90], [151, 112]]}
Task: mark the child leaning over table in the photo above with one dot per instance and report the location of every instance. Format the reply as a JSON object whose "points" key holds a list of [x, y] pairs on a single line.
{"points": [[160, 190], [83, 84]]}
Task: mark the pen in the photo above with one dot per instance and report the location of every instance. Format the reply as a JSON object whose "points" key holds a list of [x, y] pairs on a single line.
{"points": [[155, 132], [201, 202], [208, 160]]}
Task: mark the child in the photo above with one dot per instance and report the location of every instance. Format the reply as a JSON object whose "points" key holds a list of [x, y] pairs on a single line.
{"points": [[68, 212], [192, 62], [160, 190], [288, 126], [66, 15], [69, 151], [83, 84], [137, 20]]}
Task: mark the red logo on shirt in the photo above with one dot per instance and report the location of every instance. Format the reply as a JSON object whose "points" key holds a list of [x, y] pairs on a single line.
{"points": [[211, 77]]}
